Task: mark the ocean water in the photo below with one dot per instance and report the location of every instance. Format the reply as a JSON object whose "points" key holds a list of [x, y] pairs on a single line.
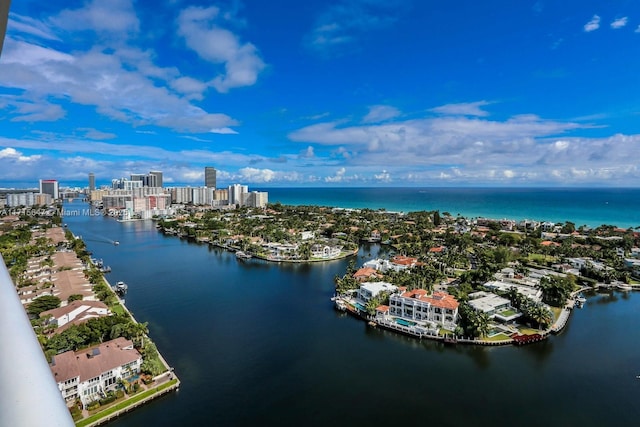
{"points": [[582, 206]]}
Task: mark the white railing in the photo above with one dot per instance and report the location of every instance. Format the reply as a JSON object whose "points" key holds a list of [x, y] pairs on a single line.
{"points": [[29, 395]]}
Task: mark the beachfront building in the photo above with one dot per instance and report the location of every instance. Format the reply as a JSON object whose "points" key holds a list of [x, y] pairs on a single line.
{"points": [[369, 290], [418, 305], [87, 374]]}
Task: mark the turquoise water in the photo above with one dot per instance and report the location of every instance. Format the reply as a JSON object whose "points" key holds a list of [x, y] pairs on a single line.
{"points": [[360, 307], [583, 206], [405, 322]]}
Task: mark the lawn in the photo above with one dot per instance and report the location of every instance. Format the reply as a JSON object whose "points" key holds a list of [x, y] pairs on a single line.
{"points": [[541, 258], [113, 409]]}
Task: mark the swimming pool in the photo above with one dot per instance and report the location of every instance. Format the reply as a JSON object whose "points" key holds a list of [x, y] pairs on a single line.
{"points": [[405, 322]]}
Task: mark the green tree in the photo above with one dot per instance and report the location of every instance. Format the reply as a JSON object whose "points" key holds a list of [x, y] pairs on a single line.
{"points": [[43, 303]]}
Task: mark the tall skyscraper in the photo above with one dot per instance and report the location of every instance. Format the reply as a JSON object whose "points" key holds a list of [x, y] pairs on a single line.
{"points": [[92, 181], [50, 186], [155, 179], [210, 177]]}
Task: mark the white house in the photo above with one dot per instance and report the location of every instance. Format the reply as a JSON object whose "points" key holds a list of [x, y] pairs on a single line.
{"points": [[417, 305], [325, 251], [87, 373], [76, 311], [372, 289]]}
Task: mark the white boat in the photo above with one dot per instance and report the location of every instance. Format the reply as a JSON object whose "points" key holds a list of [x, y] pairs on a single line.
{"points": [[242, 255], [116, 243], [581, 299], [624, 286], [121, 288]]}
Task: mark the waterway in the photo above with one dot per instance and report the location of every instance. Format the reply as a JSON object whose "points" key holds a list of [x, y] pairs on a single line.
{"points": [[257, 343]]}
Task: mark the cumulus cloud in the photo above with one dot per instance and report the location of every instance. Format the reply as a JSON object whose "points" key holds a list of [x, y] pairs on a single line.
{"points": [[619, 23], [203, 33], [593, 24], [10, 153], [106, 71]]}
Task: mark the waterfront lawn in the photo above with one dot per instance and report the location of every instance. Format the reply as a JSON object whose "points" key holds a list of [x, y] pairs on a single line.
{"points": [[117, 309], [498, 337], [556, 312], [131, 401]]}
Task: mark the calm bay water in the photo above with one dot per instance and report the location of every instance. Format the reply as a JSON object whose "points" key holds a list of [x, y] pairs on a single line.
{"points": [[256, 343]]}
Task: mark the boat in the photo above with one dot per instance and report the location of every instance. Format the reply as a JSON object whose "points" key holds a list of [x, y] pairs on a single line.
{"points": [[116, 243], [580, 300], [121, 288], [340, 305], [624, 286], [242, 255], [105, 269]]}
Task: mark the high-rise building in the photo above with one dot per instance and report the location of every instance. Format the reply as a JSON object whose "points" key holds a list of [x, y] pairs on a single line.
{"points": [[152, 179], [50, 186], [155, 179], [92, 181], [210, 177], [237, 194]]}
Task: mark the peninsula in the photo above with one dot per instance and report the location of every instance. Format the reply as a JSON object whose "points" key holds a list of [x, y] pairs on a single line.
{"points": [[481, 281], [100, 356]]}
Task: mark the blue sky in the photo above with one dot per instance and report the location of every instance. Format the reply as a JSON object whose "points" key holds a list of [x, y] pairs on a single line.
{"points": [[323, 93]]}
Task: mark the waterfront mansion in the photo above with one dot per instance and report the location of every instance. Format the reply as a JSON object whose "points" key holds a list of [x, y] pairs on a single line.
{"points": [[87, 374], [420, 306]]}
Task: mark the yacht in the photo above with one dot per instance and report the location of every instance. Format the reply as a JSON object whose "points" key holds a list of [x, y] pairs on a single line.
{"points": [[121, 288]]}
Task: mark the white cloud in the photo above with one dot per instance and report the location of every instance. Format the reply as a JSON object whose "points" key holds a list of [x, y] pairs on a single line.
{"points": [[203, 33], [384, 176], [115, 17], [593, 24], [10, 153], [307, 153], [380, 113], [224, 131], [29, 26], [619, 23], [637, 29], [463, 109]]}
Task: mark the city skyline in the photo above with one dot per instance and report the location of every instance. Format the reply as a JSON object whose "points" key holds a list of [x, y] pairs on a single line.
{"points": [[342, 93]]}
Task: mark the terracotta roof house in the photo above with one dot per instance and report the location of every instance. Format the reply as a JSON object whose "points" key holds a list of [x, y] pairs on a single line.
{"points": [[75, 312], [366, 273], [418, 305], [90, 372]]}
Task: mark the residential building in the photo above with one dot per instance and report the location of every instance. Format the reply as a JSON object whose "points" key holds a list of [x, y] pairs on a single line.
{"points": [[74, 313], [420, 306], [50, 186], [210, 177], [369, 290], [88, 374], [493, 305], [92, 181]]}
